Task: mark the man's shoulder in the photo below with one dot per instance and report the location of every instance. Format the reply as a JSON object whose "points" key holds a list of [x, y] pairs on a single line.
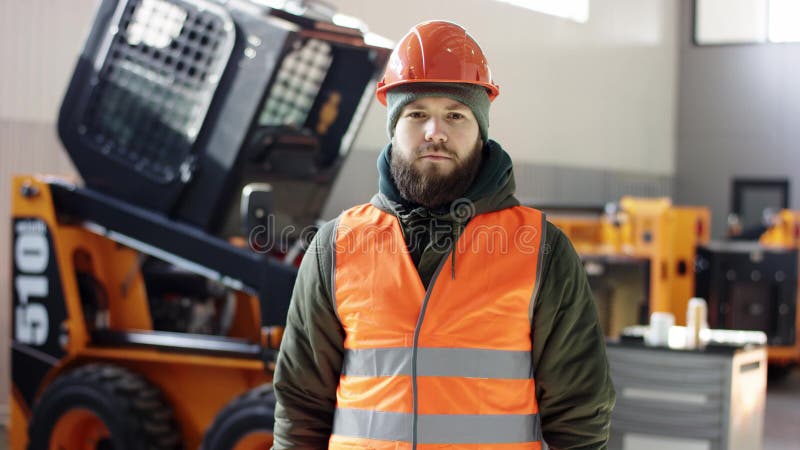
{"points": [[560, 255], [552, 233], [326, 232]]}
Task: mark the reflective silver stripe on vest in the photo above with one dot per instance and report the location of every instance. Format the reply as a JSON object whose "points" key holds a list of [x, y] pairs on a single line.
{"points": [[438, 428], [439, 362]]}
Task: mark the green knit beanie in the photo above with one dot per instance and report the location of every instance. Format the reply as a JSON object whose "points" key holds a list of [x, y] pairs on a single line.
{"points": [[472, 95]]}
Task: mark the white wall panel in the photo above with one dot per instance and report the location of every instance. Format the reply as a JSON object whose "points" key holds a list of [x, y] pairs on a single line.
{"points": [[599, 94], [39, 45]]}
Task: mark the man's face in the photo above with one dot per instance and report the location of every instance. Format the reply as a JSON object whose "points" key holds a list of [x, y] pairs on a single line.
{"points": [[436, 151]]}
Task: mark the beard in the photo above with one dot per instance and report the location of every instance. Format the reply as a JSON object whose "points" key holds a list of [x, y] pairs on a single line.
{"points": [[433, 187]]}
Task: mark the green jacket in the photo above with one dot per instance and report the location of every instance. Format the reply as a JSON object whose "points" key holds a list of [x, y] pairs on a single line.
{"points": [[573, 387]]}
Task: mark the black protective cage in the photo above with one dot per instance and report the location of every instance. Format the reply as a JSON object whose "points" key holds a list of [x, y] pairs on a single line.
{"points": [[176, 105]]}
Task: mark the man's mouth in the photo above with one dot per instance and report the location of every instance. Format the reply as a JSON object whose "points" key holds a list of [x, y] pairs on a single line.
{"points": [[436, 156]]}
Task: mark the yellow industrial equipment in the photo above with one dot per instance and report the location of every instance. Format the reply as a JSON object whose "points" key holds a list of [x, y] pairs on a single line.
{"points": [[648, 230], [784, 231], [748, 285]]}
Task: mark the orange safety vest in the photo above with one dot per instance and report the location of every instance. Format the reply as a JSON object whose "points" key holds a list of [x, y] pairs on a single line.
{"points": [[447, 368]]}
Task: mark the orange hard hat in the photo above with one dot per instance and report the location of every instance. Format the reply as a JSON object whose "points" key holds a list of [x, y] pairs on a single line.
{"points": [[437, 52]]}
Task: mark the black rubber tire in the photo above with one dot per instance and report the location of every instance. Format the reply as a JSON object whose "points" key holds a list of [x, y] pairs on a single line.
{"points": [[132, 409], [253, 411]]}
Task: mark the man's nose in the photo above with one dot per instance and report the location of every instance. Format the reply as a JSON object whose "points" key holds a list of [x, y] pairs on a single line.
{"points": [[434, 130]]}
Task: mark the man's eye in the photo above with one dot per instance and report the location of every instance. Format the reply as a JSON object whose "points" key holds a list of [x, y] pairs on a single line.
{"points": [[416, 114], [455, 116]]}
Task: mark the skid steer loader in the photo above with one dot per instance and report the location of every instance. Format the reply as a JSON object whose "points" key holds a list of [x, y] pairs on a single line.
{"points": [[149, 298]]}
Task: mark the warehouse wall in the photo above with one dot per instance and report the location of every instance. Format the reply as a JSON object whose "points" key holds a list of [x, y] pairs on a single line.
{"points": [[587, 111], [738, 109]]}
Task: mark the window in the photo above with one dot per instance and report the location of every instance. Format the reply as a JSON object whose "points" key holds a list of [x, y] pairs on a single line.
{"points": [[746, 21]]}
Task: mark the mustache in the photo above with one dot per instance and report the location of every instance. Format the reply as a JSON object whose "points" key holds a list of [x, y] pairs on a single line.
{"points": [[434, 147]]}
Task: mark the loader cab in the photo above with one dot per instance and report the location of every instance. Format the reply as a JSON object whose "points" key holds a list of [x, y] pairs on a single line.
{"points": [[178, 106], [227, 121]]}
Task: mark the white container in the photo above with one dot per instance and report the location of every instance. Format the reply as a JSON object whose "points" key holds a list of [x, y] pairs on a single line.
{"points": [[696, 323], [658, 333]]}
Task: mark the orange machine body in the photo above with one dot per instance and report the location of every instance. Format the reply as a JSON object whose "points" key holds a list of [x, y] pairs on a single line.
{"points": [[196, 385]]}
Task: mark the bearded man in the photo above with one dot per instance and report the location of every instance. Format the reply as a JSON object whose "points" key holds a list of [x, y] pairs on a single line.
{"points": [[441, 315]]}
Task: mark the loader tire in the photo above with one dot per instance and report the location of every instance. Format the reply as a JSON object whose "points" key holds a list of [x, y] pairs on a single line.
{"points": [[102, 407], [245, 424]]}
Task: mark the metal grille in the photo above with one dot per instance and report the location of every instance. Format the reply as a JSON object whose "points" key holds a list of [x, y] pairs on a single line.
{"points": [[156, 83], [297, 84]]}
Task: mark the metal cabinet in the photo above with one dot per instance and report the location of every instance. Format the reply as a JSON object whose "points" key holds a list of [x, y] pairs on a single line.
{"points": [[709, 399]]}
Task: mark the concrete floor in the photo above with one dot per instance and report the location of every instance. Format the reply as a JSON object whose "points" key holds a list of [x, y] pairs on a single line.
{"points": [[781, 430], [782, 421]]}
